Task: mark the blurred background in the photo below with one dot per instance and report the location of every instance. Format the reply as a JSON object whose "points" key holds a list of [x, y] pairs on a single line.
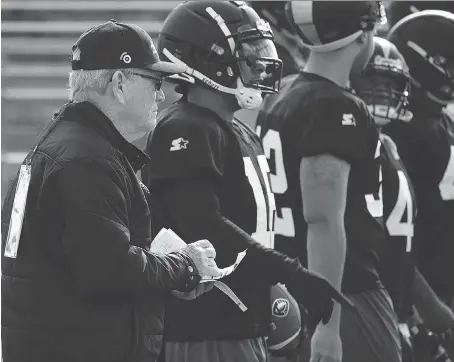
{"points": [[36, 45], [37, 37]]}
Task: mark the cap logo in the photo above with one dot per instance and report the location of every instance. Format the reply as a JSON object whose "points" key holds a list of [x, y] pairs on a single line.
{"points": [[125, 57], [280, 307], [76, 54]]}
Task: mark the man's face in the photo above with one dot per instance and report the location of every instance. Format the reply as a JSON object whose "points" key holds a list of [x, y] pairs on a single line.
{"points": [[260, 64], [143, 93], [384, 96]]}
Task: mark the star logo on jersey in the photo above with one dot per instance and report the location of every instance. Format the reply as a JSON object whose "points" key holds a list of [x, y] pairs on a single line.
{"points": [[348, 120], [179, 144]]}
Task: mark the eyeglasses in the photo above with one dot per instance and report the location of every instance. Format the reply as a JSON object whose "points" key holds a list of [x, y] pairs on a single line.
{"points": [[158, 81]]}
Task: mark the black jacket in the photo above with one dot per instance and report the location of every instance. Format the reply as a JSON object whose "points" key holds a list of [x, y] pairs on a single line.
{"points": [[83, 287]]}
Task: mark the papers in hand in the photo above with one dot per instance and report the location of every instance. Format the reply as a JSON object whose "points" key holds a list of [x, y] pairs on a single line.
{"points": [[167, 242], [226, 271]]}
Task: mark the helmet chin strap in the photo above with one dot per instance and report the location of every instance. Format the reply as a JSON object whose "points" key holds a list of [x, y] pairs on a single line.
{"points": [[247, 98]]}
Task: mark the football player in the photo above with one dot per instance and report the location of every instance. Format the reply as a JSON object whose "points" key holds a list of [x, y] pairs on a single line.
{"points": [[321, 141], [211, 179], [385, 86], [426, 144]]}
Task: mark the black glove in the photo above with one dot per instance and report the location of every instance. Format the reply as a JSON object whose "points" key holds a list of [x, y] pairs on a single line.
{"points": [[317, 296]]}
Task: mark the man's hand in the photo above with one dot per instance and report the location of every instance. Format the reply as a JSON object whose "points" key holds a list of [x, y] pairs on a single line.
{"points": [[326, 345], [317, 295], [195, 293], [202, 253]]}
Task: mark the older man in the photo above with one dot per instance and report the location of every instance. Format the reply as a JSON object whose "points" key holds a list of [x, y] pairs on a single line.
{"points": [[79, 283]]}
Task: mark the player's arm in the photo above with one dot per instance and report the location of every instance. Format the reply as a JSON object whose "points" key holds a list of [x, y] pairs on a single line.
{"points": [[436, 315], [323, 180], [195, 209]]}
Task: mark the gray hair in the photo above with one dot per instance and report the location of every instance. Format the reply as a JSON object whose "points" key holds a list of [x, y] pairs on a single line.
{"points": [[84, 82]]}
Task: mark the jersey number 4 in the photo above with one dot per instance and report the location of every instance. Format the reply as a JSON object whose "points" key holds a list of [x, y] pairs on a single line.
{"points": [[283, 225], [404, 202], [446, 185]]}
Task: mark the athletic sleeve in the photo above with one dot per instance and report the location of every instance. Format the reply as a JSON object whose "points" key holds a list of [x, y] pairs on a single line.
{"points": [[195, 208], [336, 126], [183, 149]]}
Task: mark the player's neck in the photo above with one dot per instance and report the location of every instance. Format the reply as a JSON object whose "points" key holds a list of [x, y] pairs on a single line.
{"points": [[216, 102], [337, 70]]}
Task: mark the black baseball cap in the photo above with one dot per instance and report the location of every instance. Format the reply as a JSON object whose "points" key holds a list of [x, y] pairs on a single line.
{"points": [[115, 45]]}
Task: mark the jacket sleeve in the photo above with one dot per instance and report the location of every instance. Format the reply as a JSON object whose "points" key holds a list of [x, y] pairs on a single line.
{"points": [[97, 246]]}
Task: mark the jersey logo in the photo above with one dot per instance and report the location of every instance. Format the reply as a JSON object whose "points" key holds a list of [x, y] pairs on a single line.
{"points": [[280, 307], [179, 144], [348, 120]]}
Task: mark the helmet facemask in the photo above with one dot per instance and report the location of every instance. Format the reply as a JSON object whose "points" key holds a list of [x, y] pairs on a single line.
{"points": [[257, 60], [252, 68], [386, 95]]}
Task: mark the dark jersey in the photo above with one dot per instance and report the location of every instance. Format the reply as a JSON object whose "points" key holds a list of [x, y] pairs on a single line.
{"points": [[312, 116], [191, 142], [395, 206], [426, 145]]}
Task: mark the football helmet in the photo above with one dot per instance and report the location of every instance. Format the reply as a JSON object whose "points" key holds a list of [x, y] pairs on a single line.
{"points": [[224, 45], [385, 83], [289, 46], [400, 9], [425, 40], [325, 26], [287, 332]]}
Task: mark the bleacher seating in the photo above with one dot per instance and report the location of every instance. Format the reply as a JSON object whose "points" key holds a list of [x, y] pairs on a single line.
{"points": [[36, 45], [37, 38]]}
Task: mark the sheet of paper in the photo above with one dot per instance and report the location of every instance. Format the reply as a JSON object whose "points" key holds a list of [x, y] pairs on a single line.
{"points": [[225, 271], [166, 242], [229, 292]]}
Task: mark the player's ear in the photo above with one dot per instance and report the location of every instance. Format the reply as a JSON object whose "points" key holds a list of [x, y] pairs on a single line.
{"points": [[118, 86]]}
